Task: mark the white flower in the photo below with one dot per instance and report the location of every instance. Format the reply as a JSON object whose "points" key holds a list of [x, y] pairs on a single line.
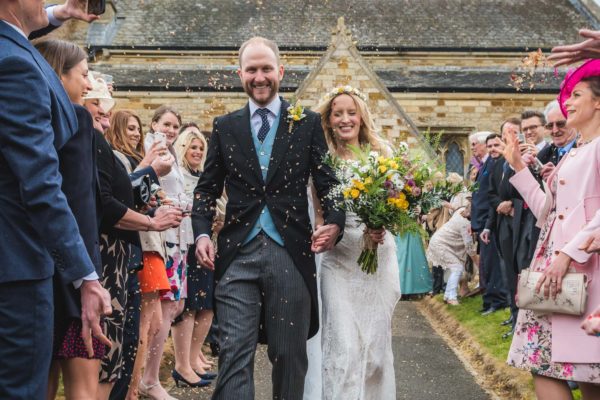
{"points": [[454, 178], [403, 147]]}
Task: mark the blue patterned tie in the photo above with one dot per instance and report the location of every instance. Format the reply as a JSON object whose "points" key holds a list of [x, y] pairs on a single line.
{"points": [[264, 128]]}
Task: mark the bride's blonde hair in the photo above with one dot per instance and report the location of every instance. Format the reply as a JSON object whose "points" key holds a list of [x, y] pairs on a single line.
{"points": [[367, 133]]}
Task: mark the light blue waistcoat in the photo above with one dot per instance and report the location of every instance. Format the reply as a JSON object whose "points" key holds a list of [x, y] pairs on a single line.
{"points": [[263, 152]]}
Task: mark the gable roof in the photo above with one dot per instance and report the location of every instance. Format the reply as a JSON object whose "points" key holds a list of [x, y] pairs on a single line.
{"points": [[341, 65], [398, 24]]}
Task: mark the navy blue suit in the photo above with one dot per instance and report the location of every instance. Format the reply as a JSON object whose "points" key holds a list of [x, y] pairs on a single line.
{"points": [[490, 274], [39, 233]]}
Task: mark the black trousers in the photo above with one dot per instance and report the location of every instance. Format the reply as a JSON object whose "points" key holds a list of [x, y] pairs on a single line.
{"points": [[437, 273], [496, 293], [505, 240]]}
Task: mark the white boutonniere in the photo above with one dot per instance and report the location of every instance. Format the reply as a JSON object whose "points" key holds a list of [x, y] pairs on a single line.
{"points": [[295, 114]]}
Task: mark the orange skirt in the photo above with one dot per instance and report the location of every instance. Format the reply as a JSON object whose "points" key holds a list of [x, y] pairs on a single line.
{"points": [[153, 277]]}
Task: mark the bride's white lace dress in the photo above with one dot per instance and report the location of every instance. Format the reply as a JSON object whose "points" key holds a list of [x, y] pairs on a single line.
{"points": [[356, 331]]}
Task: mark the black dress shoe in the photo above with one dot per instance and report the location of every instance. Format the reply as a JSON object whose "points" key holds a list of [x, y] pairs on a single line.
{"points": [[489, 311], [508, 334], [507, 321], [214, 349]]}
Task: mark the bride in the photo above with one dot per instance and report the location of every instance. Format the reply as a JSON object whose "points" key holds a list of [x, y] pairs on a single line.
{"points": [[356, 337]]}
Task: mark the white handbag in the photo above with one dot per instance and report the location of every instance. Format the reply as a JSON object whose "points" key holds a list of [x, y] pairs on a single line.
{"points": [[571, 300]]}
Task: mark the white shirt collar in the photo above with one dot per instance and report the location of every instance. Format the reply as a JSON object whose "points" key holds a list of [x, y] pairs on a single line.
{"points": [[16, 28], [274, 106]]}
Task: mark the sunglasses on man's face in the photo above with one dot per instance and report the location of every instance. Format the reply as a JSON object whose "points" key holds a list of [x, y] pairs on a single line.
{"points": [[558, 124]]}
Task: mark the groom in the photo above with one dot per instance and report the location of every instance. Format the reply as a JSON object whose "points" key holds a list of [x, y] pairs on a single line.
{"points": [[265, 266]]}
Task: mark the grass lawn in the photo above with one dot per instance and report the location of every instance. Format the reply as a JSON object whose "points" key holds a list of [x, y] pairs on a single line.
{"points": [[485, 329]]}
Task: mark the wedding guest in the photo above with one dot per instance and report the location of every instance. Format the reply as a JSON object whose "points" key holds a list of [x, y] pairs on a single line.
{"points": [[44, 238], [78, 170], [126, 138], [434, 221], [504, 222], [164, 128], [415, 276], [191, 327], [563, 138], [478, 151], [118, 233], [552, 346], [449, 247], [533, 126], [495, 295], [357, 345]]}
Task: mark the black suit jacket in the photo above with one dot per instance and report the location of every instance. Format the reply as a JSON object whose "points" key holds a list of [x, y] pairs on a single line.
{"points": [[232, 164], [480, 202], [80, 185], [550, 154], [494, 194]]}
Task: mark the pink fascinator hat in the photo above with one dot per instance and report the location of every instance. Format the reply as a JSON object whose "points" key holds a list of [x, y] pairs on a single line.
{"points": [[573, 77]]}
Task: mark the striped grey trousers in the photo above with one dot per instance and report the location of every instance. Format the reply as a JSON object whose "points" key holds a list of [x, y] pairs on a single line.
{"points": [[262, 275]]}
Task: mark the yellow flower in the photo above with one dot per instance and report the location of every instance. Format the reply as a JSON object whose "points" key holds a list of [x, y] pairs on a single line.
{"points": [[382, 169], [391, 200], [296, 117], [393, 165], [402, 196], [407, 189], [381, 159], [358, 184], [346, 193], [368, 180], [354, 193]]}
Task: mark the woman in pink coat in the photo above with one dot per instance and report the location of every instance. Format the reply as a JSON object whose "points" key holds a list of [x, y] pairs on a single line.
{"points": [[553, 346]]}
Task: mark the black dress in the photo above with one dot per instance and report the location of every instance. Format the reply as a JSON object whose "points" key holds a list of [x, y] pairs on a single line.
{"points": [[115, 250], [200, 281]]}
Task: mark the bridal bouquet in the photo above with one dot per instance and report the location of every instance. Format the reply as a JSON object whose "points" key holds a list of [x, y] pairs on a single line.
{"points": [[377, 189]]}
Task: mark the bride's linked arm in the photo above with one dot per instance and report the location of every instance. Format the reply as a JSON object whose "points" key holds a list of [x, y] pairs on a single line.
{"points": [[324, 179]]}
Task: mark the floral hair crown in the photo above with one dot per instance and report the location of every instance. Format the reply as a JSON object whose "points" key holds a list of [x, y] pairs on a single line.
{"points": [[347, 89]]}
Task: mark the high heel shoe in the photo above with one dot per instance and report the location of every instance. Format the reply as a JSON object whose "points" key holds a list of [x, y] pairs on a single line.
{"points": [[178, 378], [144, 392], [209, 376]]}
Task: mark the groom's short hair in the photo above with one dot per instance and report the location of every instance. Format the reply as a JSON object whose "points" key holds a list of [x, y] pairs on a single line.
{"points": [[260, 40]]}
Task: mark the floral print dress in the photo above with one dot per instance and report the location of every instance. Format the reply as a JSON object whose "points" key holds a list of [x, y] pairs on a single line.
{"points": [[531, 348]]}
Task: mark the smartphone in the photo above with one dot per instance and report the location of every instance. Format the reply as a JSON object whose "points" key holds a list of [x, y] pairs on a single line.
{"points": [[521, 138], [96, 7], [161, 138]]}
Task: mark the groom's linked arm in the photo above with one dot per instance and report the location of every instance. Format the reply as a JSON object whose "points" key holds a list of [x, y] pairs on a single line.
{"points": [[324, 179], [210, 185]]}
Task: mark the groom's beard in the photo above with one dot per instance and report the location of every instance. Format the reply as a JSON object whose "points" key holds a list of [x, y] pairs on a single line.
{"points": [[262, 96]]}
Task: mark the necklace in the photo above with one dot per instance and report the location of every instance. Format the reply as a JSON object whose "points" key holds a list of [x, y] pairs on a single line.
{"points": [[581, 143]]}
